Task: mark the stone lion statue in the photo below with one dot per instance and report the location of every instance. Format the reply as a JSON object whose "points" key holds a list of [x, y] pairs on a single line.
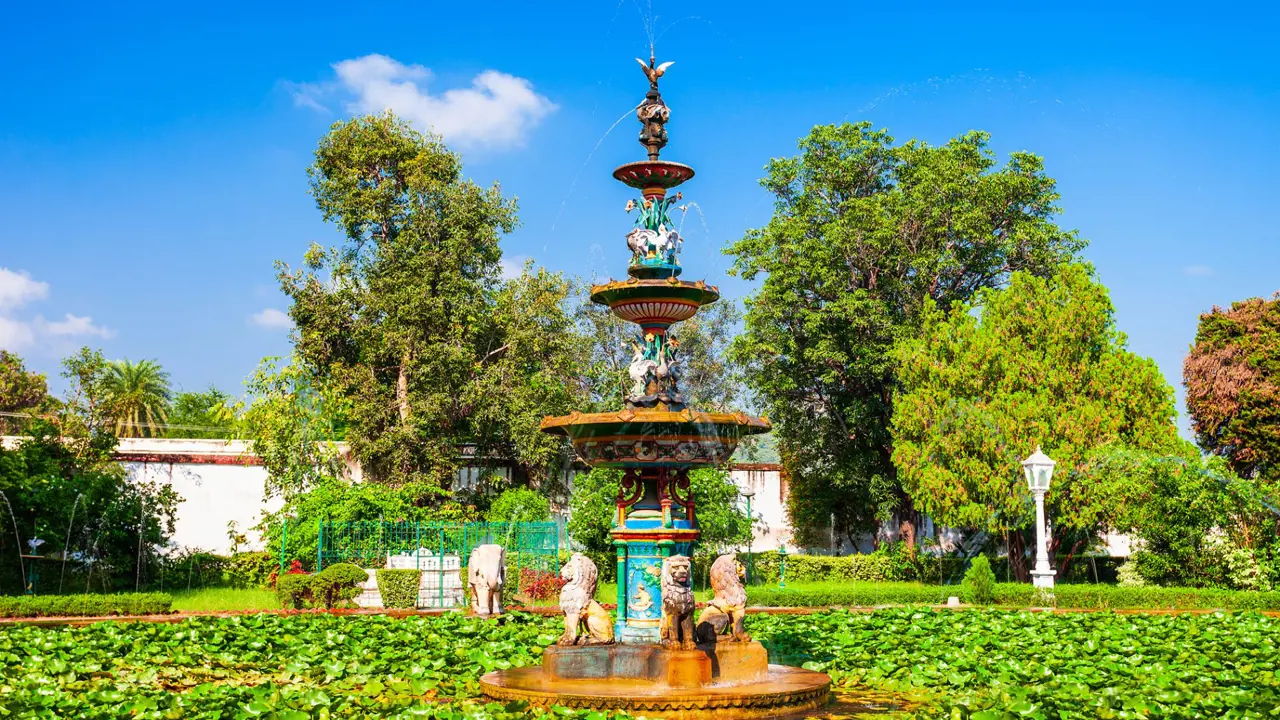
{"points": [[727, 609], [676, 627], [585, 621], [487, 574]]}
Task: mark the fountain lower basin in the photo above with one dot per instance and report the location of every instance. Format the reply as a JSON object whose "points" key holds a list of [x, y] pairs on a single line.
{"points": [[726, 680]]}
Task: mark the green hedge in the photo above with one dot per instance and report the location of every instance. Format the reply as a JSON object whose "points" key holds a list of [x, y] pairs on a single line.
{"points": [[872, 567], [24, 606], [1092, 597], [399, 588]]}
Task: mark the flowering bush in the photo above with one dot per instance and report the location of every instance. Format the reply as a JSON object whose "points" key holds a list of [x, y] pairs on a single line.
{"points": [[539, 584]]}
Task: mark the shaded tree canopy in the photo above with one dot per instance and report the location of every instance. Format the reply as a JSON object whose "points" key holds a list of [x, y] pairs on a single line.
{"points": [[863, 236], [408, 325], [1039, 363], [1232, 377]]}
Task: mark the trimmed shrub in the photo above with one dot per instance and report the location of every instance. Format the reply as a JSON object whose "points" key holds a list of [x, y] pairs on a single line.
{"points": [[24, 606], [857, 595], [1077, 597], [337, 584], [399, 588], [979, 582], [293, 591], [882, 566]]}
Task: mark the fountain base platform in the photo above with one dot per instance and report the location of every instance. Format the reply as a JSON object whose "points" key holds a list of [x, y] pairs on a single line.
{"points": [[725, 680]]}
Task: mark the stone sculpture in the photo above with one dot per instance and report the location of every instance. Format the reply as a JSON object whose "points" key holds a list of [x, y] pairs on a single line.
{"points": [[726, 611], [586, 622], [486, 574], [676, 627]]}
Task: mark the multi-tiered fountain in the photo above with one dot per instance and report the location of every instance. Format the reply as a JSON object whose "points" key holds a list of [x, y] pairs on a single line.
{"points": [[659, 665]]}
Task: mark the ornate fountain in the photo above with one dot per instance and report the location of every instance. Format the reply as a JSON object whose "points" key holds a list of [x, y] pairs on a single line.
{"points": [[654, 658]]}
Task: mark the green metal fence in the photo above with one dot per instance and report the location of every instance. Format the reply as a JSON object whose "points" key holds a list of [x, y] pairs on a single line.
{"points": [[441, 551]]}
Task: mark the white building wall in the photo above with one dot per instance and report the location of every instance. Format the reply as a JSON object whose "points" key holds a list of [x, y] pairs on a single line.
{"points": [[768, 504]]}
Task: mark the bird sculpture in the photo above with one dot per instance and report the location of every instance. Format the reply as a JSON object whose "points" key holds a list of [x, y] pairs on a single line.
{"points": [[653, 73]]}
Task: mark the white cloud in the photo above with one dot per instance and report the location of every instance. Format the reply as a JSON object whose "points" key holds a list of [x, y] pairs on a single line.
{"points": [[497, 111], [15, 335], [73, 326], [271, 319], [1197, 271], [18, 289], [512, 267]]}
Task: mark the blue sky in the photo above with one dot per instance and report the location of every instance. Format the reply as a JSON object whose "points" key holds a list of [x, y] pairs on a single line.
{"points": [[152, 157]]}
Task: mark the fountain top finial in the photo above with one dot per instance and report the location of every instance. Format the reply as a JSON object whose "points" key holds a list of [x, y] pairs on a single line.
{"points": [[653, 113]]}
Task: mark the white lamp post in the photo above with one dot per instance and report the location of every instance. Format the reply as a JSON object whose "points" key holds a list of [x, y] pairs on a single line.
{"points": [[1039, 470], [749, 493]]}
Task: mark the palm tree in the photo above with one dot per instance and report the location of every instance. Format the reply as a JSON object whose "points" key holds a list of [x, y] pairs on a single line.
{"points": [[138, 395]]}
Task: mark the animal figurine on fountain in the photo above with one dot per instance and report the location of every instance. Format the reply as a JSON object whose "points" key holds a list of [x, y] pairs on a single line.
{"points": [[487, 574], [586, 622], [654, 239], [726, 611], [676, 626]]}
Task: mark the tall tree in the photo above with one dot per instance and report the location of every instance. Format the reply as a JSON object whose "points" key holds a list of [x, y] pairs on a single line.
{"points": [[21, 391], [408, 321], [1232, 376], [1037, 364], [137, 397], [864, 234]]}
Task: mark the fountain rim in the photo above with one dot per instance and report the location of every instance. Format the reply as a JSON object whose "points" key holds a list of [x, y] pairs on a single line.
{"points": [[750, 425], [637, 289], [649, 174]]}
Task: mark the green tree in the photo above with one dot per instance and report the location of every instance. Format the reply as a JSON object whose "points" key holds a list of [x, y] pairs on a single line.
{"points": [[292, 427], [85, 410], [408, 321], [1039, 363], [137, 397], [519, 505], [1232, 376], [74, 497], [21, 391], [863, 236], [206, 414]]}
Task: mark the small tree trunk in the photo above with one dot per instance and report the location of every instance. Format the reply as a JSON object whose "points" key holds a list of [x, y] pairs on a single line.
{"points": [[402, 390], [1017, 547], [908, 520]]}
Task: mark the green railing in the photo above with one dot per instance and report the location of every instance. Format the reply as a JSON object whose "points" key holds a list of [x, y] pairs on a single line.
{"points": [[439, 549]]}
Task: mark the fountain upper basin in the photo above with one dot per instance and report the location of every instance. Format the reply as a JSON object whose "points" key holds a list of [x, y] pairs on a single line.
{"points": [[643, 438]]}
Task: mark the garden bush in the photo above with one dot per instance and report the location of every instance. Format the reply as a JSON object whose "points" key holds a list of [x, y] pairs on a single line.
{"points": [[337, 585], [251, 569], [293, 590], [979, 582], [399, 588], [26, 606], [890, 564], [1075, 597]]}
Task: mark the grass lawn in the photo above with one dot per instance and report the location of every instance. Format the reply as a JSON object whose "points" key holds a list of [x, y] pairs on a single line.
{"points": [[224, 600]]}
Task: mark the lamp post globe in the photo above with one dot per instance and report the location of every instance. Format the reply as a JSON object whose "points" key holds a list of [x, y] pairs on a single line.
{"points": [[1039, 472]]}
